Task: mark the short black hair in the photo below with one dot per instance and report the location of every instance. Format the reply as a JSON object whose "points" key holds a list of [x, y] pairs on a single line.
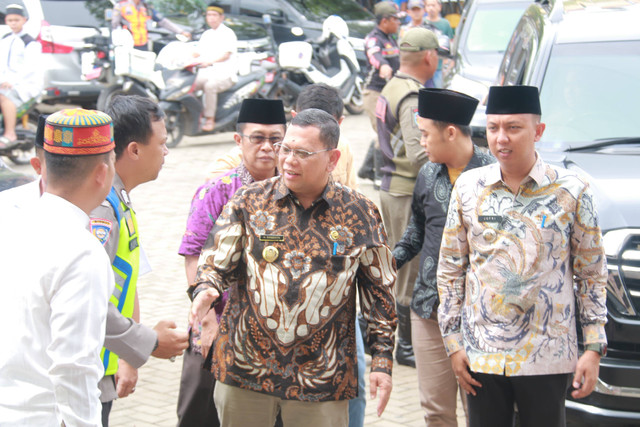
{"points": [[132, 118], [69, 169], [323, 97], [325, 122], [464, 130]]}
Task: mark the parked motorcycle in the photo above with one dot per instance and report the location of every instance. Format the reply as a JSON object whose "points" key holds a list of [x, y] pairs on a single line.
{"points": [[27, 123], [331, 60], [115, 63], [183, 105]]}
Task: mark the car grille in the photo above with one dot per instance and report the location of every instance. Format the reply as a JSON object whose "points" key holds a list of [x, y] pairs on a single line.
{"points": [[623, 286]]}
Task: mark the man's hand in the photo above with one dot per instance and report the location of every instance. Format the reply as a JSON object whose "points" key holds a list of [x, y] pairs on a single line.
{"points": [[201, 305], [126, 379], [584, 380], [209, 331], [386, 72], [460, 365], [382, 381], [171, 342]]}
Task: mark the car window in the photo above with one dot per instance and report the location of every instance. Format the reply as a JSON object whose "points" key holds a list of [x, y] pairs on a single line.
{"points": [[590, 91], [524, 43], [83, 13], [492, 27]]}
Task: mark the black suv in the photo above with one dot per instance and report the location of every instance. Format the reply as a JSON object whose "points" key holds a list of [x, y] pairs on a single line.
{"points": [[585, 59]]}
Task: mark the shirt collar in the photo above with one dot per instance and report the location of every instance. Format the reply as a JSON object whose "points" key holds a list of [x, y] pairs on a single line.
{"points": [[245, 176], [403, 75], [537, 172], [118, 186], [474, 162], [328, 194]]}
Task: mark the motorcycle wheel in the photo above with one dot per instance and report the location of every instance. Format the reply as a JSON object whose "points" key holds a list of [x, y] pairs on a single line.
{"points": [[106, 94], [356, 103], [175, 129], [21, 156]]}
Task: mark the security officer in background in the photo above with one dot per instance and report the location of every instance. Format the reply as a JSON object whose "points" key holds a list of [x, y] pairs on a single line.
{"points": [[399, 138], [134, 14], [384, 60]]}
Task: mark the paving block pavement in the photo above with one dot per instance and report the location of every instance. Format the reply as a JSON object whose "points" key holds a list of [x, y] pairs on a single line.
{"points": [[161, 208]]}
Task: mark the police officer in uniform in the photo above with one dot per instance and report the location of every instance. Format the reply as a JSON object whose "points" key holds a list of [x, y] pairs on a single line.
{"points": [[399, 139], [140, 137]]}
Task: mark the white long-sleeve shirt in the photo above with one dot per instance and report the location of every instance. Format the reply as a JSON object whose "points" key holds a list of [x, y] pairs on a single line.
{"points": [[212, 45], [21, 64], [55, 283]]}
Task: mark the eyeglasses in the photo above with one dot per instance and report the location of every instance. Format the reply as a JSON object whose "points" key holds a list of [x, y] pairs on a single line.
{"points": [[297, 152], [260, 139]]}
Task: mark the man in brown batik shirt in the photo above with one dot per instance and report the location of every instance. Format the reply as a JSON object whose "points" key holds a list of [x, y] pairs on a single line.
{"points": [[299, 242]]}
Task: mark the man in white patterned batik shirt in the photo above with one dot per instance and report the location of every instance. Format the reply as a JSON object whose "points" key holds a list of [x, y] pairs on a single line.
{"points": [[521, 257]]}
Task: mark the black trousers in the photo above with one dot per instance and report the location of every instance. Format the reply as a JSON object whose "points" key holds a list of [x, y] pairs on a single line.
{"points": [[195, 400], [539, 398]]}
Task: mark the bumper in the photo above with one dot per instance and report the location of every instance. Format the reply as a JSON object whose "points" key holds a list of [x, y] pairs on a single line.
{"points": [[616, 398]]}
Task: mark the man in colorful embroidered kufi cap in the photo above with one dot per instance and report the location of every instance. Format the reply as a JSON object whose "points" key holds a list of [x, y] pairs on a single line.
{"points": [[56, 281]]}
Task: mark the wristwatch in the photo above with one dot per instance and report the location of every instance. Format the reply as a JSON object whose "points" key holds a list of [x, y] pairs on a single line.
{"points": [[599, 348]]}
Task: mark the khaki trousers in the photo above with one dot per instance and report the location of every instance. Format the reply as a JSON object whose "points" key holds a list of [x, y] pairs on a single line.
{"points": [[239, 407], [396, 212], [436, 381], [212, 87], [369, 101]]}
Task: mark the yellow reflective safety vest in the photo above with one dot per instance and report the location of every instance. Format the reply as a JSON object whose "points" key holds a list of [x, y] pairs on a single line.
{"points": [[136, 21], [125, 268]]}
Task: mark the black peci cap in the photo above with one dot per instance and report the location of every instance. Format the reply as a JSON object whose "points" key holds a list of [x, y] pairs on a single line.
{"points": [[513, 100], [446, 106], [263, 111]]}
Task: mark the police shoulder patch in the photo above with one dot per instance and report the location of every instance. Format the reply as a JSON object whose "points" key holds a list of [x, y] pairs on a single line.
{"points": [[415, 117], [101, 228]]}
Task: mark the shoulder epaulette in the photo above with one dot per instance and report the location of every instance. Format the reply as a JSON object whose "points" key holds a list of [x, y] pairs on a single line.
{"points": [[26, 39]]}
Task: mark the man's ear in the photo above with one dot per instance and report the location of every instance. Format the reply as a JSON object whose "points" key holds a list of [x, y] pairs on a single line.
{"points": [[334, 156], [100, 174], [36, 164], [340, 120], [540, 127], [133, 150], [293, 113], [451, 132], [237, 138]]}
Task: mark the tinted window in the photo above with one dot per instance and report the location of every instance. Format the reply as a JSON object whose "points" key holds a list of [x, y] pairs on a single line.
{"points": [[590, 91], [76, 13], [492, 27]]}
